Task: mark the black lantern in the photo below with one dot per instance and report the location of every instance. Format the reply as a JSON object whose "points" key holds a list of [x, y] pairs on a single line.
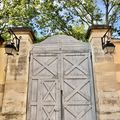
{"points": [[13, 45], [9, 48], [108, 46]]}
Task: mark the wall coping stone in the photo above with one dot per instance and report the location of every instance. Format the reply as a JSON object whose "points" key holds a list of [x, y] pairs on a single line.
{"points": [[96, 27]]}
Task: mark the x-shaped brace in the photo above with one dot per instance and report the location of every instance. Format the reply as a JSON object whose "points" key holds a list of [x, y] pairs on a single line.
{"points": [[46, 65], [77, 90], [81, 113], [76, 65], [48, 114], [49, 91]]}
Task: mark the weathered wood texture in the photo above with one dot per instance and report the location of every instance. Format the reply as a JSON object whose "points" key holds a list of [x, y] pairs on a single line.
{"points": [[60, 81]]}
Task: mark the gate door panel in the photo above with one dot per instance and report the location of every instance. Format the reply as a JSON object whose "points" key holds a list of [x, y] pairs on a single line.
{"points": [[60, 80], [77, 94], [44, 95]]}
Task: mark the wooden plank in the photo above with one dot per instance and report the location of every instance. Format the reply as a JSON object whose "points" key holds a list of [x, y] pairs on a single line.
{"points": [[34, 92], [33, 113], [76, 77]]}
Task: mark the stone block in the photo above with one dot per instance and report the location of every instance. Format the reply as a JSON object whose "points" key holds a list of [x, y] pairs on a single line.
{"points": [[1, 96], [2, 117], [12, 117], [106, 67], [118, 77], [1, 88], [109, 116], [14, 99]]}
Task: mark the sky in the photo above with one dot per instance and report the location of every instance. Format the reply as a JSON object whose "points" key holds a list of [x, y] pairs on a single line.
{"points": [[100, 4]]}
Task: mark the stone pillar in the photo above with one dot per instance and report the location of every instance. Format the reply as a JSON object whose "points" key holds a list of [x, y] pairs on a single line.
{"points": [[105, 76], [16, 82]]}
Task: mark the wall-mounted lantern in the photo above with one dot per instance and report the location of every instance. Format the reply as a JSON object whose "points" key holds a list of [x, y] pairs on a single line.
{"points": [[12, 45], [107, 45], [9, 48]]}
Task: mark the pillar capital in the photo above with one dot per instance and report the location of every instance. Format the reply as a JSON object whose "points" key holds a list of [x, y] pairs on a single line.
{"points": [[97, 31]]}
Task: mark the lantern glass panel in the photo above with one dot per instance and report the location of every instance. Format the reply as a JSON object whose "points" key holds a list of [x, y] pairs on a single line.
{"points": [[8, 50], [109, 49]]}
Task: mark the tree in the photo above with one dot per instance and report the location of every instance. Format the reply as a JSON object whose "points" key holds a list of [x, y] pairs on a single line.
{"points": [[16, 13], [50, 17], [66, 16], [112, 11]]}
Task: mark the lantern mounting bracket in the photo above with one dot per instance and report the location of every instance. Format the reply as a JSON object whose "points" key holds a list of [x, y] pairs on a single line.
{"points": [[107, 45], [13, 44]]}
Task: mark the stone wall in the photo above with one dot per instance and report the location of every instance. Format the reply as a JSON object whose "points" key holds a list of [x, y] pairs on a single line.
{"points": [[14, 72], [107, 77], [13, 102]]}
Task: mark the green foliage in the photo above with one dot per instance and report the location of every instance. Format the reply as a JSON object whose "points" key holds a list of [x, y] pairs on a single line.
{"points": [[50, 17], [70, 16], [79, 33], [16, 13]]}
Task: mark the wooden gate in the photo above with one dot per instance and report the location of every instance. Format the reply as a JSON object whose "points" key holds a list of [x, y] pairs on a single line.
{"points": [[60, 81]]}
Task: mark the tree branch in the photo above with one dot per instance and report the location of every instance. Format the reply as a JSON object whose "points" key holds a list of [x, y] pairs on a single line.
{"points": [[113, 16], [87, 19], [111, 8], [85, 8]]}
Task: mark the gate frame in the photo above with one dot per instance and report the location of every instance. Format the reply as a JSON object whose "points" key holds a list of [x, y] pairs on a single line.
{"points": [[92, 86]]}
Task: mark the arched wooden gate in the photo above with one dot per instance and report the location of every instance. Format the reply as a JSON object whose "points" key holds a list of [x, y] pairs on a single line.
{"points": [[60, 80]]}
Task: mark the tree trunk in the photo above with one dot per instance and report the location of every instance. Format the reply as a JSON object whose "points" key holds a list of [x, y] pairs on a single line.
{"points": [[107, 12]]}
